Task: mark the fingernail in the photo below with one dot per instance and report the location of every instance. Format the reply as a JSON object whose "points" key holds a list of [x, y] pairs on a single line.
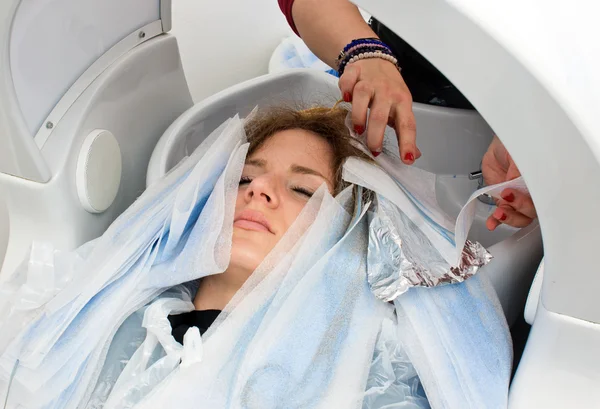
{"points": [[359, 129], [347, 97], [409, 157], [376, 154], [509, 197], [499, 215]]}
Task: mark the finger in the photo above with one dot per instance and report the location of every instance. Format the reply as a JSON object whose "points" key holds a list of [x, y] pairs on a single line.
{"points": [[406, 131], [491, 223], [392, 124], [511, 217], [361, 99], [377, 122], [520, 201], [513, 171], [348, 81]]}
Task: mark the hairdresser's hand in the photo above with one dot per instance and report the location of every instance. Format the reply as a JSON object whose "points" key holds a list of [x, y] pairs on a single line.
{"points": [[515, 208], [376, 84]]}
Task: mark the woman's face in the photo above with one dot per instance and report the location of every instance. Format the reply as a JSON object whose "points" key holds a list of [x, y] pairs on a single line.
{"points": [[277, 181]]}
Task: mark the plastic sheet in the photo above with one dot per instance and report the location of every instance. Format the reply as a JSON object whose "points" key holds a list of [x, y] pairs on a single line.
{"points": [[142, 374], [393, 382]]}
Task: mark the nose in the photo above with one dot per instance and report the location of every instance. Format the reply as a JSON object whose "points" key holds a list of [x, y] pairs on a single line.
{"points": [[262, 189]]}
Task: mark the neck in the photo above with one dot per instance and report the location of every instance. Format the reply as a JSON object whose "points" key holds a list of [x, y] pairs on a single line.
{"points": [[215, 291]]}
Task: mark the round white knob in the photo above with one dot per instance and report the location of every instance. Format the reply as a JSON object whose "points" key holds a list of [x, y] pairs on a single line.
{"points": [[98, 174]]}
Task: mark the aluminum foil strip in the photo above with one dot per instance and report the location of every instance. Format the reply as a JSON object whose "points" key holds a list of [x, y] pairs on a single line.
{"points": [[400, 256]]}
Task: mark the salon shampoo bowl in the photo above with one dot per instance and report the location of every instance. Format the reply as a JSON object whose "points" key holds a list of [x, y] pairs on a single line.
{"points": [[452, 141]]}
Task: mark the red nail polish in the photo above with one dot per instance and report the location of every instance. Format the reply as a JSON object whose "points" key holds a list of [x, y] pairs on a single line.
{"points": [[503, 217], [359, 129], [376, 154], [347, 97], [409, 157], [509, 197]]}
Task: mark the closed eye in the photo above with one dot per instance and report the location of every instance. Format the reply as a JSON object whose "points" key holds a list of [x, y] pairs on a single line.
{"points": [[303, 191], [244, 180]]}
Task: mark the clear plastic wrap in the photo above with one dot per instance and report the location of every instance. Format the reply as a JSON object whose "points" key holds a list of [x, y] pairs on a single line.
{"points": [[142, 373], [133, 336], [393, 382]]}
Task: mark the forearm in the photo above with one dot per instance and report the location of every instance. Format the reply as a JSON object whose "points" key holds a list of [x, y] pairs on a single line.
{"points": [[326, 26]]}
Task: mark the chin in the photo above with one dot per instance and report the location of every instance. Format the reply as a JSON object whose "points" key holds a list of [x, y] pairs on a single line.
{"points": [[248, 249]]}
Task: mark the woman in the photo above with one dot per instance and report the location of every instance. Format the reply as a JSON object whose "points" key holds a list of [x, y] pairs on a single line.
{"points": [[257, 235]]}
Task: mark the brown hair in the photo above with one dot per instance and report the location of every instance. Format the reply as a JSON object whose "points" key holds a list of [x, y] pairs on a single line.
{"points": [[328, 123]]}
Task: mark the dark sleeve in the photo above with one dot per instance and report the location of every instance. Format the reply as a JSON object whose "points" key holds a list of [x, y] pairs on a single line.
{"points": [[286, 9]]}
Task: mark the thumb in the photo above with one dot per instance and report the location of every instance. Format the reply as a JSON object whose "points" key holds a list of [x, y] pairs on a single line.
{"points": [[513, 171]]}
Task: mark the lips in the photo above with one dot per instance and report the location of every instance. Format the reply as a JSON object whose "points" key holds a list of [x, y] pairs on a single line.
{"points": [[252, 220]]}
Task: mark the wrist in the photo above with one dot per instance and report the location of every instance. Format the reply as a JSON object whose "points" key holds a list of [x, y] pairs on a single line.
{"points": [[364, 49]]}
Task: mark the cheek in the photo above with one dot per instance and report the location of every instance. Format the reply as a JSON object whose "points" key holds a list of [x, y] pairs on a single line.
{"points": [[291, 212], [239, 201]]}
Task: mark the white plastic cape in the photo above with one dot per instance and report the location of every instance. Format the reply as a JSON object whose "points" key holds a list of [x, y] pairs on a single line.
{"points": [[308, 329]]}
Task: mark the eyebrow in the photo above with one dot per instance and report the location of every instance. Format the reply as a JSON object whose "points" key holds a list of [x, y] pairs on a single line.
{"points": [[302, 170], [257, 162], [306, 171]]}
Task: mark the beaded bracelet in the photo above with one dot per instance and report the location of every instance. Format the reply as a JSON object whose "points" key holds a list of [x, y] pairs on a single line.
{"points": [[364, 48], [363, 54], [360, 42], [374, 45]]}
